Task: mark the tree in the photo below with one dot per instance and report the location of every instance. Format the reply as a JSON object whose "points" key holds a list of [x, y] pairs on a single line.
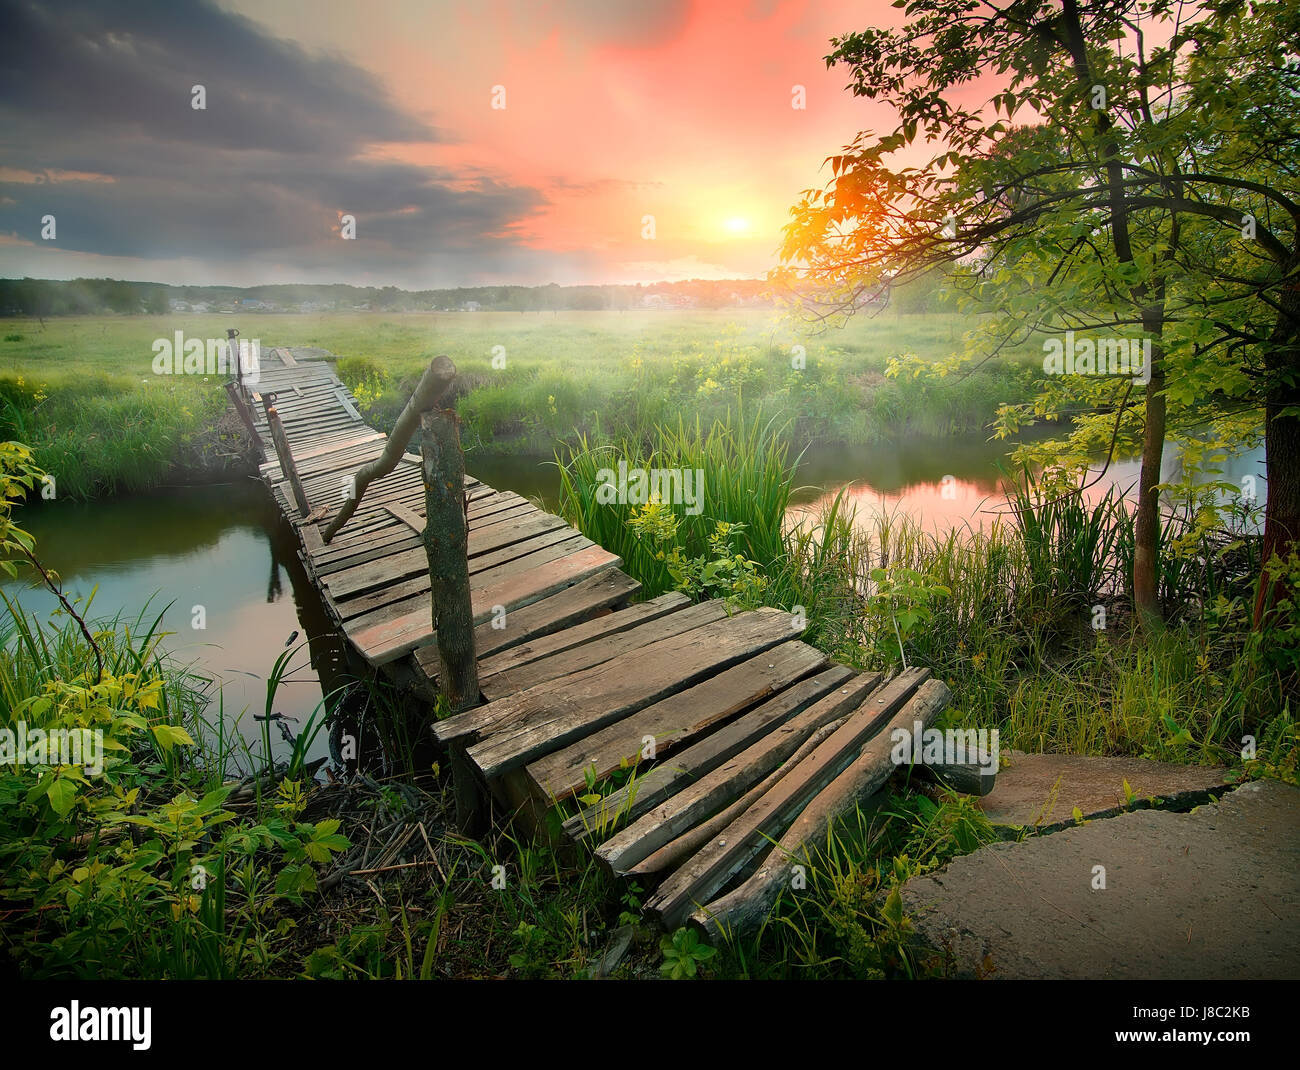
{"points": [[1110, 210]]}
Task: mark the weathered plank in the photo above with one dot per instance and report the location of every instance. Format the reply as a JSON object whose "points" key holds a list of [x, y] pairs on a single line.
{"points": [[829, 692], [715, 789], [409, 517], [566, 662], [417, 591], [548, 616], [395, 567], [551, 715], [744, 908], [486, 571], [579, 634], [680, 718], [699, 880], [382, 643], [676, 851]]}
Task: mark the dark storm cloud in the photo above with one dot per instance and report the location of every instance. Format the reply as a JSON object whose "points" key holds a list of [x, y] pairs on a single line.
{"points": [[104, 89]]}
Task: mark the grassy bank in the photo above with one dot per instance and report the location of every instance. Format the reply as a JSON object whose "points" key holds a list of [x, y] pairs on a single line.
{"points": [[83, 392], [164, 867]]}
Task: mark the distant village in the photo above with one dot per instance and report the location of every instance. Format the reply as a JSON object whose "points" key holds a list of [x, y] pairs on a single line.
{"points": [[48, 297]]}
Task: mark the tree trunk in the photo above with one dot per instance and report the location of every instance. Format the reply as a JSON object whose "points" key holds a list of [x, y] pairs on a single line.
{"points": [[1146, 535], [1281, 447]]}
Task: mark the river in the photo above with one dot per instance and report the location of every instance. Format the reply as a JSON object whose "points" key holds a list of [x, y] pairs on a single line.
{"points": [[225, 562]]}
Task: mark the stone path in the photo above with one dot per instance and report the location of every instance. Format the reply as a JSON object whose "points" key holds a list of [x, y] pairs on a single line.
{"points": [[1209, 894], [1041, 791]]}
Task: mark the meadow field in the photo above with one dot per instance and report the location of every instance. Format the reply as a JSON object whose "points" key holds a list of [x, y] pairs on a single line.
{"points": [[83, 393]]}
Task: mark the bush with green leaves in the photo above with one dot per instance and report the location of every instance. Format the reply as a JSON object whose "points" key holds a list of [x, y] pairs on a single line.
{"points": [[130, 865]]}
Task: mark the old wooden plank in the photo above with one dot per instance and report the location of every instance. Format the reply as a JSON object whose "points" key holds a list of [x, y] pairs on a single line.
{"points": [[744, 908], [699, 880], [659, 729], [393, 535], [705, 795], [387, 606], [394, 567], [566, 662], [823, 695], [346, 401], [552, 615], [365, 547], [382, 643], [524, 727], [409, 517], [676, 851], [580, 634]]}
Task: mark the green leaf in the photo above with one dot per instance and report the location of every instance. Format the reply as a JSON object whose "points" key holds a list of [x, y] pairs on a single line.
{"points": [[62, 794], [169, 735]]}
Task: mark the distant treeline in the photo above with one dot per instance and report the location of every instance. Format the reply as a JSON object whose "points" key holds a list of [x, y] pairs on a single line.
{"points": [[46, 297]]}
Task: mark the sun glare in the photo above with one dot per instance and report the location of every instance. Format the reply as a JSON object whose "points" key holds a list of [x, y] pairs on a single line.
{"points": [[736, 225]]}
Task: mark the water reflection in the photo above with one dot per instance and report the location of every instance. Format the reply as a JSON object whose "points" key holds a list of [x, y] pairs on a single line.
{"points": [[213, 561]]}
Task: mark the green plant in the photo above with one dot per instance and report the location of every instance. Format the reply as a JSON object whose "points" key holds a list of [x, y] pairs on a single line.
{"points": [[904, 595], [684, 954]]}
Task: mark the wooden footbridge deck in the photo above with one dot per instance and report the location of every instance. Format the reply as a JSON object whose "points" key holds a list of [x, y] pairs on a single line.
{"points": [[744, 741]]}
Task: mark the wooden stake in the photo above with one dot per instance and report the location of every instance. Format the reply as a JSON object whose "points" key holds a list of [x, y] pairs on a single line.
{"points": [[446, 542], [285, 455]]}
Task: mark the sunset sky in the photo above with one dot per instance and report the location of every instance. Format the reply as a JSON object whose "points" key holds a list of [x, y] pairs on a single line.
{"points": [[677, 109]]}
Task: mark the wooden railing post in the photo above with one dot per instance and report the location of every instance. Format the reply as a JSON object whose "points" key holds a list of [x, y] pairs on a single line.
{"points": [[241, 406], [446, 543], [232, 350], [285, 455]]}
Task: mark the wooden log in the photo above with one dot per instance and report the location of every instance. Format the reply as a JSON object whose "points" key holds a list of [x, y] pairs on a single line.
{"points": [[241, 407], [446, 540], [825, 691], [743, 909], [232, 355], [437, 378], [722, 857], [285, 455], [692, 840]]}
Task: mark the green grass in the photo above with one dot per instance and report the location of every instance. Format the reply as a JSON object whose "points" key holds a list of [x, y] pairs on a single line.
{"points": [[82, 391]]}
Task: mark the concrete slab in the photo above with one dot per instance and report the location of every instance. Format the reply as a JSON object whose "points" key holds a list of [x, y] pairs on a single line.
{"points": [[1041, 791], [1211, 894]]}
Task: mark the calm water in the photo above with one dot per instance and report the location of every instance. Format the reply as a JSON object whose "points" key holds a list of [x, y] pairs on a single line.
{"points": [[223, 548], [944, 483], [220, 548]]}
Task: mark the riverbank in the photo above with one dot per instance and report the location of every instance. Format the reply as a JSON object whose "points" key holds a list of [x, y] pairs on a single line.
{"points": [[424, 902]]}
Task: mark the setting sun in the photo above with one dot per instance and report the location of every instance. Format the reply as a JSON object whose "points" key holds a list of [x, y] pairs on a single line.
{"points": [[736, 225]]}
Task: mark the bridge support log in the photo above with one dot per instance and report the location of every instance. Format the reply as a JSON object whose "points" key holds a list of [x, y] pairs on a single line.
{"points": [[446, 543]]}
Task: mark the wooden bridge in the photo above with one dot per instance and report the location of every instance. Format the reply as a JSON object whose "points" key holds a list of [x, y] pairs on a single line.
{"points": [[738, 742]]}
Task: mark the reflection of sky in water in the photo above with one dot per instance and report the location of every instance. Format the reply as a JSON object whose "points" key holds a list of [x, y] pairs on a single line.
{"points": [[916, 486], [200, 547]]}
